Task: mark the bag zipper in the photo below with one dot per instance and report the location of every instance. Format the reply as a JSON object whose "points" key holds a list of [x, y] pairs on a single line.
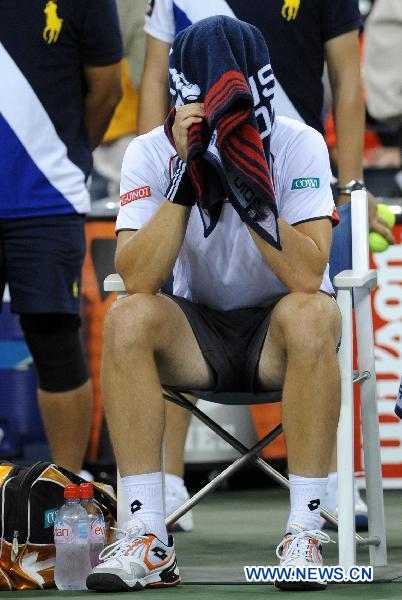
{"points": [[28, 474]]}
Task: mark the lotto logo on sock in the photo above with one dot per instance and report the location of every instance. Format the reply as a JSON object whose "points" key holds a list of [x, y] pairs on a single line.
{"points": [[135, 506], [314, 504]]}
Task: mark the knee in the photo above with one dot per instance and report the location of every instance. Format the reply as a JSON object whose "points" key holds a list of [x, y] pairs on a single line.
{"points": [[54, 342], [132, 322], [310, 323]]}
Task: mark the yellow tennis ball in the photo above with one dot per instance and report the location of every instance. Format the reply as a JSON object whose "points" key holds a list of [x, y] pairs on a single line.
{"points": [[384, 212], [377, 242]]}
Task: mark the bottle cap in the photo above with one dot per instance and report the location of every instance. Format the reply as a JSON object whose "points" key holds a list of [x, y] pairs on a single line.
{"points": [[86, 491], [71, 491]]}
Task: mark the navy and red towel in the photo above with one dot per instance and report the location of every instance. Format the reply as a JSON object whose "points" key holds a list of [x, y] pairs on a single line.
{"points": [[225, 64]]}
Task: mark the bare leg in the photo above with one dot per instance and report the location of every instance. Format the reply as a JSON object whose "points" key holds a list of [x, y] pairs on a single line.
{"points": [[333, 463], [177, 424], [148, 341], [67, 417], [300, 353]]}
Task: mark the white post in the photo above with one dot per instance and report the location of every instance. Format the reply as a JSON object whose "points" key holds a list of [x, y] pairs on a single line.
{"points": [[360, 244], [368, 392], [345, 448]]}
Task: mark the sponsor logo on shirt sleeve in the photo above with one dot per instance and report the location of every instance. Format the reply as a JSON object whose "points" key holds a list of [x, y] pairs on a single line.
{"points": [[136, 194], [305, 182]]}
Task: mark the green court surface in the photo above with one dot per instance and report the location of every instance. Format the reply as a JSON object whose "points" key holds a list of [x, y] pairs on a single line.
{"points": [[233, 529]]}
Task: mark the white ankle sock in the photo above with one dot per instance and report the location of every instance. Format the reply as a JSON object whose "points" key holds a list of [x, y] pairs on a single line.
{"points": [[145, 500], [331, 497], [174, 482], [306, 494]]}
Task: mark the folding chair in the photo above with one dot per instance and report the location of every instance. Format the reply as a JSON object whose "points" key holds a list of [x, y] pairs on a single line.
{"points": [[360, 280]]}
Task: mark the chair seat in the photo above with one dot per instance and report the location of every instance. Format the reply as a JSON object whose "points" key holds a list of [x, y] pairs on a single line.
{"points": [[232, 398]]}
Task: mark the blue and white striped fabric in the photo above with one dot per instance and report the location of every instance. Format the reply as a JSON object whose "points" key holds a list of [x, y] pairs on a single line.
{"points": [[36, 175], [45, 154]]}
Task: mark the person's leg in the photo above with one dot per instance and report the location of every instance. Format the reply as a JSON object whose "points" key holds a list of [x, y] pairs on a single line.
{"points": [[67, 417], [300, 354], [148, 341], [44, 257], [330, 501], [64, 390], [176, 494], [177, 424]]}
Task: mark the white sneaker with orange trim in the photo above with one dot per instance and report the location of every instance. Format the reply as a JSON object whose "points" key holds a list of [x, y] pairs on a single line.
{"points": [[301, 548], [137, 560]]}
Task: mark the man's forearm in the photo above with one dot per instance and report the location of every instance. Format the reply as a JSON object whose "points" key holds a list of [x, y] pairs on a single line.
{"points": [[349, 126], [98, 114], [153, 105], [301, 262], [154, 89], [147, 258]]}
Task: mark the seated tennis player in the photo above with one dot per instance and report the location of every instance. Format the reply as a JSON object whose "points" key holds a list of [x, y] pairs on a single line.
{"points": [[238, 204]]}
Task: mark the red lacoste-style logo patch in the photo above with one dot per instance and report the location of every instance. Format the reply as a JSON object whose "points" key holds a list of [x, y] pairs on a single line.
{"points": [[137, 194]]}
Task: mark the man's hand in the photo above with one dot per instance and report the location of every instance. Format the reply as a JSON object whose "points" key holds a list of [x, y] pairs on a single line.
{"points": [[185, 116], [375, 222]]}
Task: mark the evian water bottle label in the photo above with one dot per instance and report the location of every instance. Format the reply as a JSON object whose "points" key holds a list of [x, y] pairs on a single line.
{"points": [[63, 533], [97, 531], [82, 533]]}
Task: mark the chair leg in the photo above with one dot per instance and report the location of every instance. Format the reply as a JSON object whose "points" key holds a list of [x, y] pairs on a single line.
{"points": [[345, 450], [247, 456], [178, 398], [370, 428]]}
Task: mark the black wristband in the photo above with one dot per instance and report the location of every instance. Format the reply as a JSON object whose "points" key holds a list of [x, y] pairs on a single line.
{"points": [[180, 189]]}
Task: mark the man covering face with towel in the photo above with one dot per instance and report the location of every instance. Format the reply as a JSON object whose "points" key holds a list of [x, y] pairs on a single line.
{"points": [[238, 204]]}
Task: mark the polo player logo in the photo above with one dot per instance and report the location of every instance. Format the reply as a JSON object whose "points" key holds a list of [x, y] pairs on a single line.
{"points": [[53, 23], [290, 9]]}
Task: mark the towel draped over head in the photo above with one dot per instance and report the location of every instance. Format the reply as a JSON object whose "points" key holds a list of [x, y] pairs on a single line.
{"points": [[224, 63]]}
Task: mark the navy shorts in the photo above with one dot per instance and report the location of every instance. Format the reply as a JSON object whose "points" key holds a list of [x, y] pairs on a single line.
{"points": [[231, 342], [41, 260]]}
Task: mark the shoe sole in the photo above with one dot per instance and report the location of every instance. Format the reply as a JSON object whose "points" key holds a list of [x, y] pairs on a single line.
{"points": [[107, 582], [299, 586]]}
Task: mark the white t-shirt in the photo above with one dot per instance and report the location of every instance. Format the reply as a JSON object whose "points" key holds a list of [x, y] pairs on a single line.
{"points": [[226, 270]]}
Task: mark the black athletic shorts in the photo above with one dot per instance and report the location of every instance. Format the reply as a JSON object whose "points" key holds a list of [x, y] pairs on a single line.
{"points": [[231, 341], [41, 260]]}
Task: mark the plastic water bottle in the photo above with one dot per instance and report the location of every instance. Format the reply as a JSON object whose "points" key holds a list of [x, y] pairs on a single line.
{"points": [[96, 520], [71, 537]]}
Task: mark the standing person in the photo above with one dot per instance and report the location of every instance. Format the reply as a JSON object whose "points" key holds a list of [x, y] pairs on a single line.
{"points": [[108, 157], [382, 66], [59, 85], [252, 307], [302, 35]]}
